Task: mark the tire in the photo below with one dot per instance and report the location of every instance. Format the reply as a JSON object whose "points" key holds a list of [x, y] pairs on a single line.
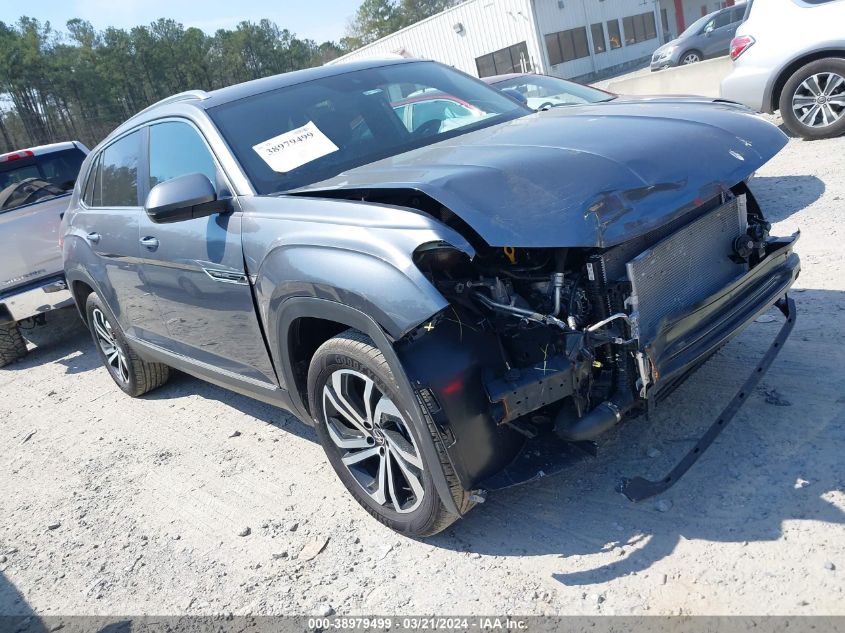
{"points": [[803, 114], [341, 372], [12, 345], [690, 57], [133, 375]]}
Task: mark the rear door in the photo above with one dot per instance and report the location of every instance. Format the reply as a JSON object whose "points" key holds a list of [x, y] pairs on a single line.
{"points": [[34, 192], [108, 221], [195, 268]]}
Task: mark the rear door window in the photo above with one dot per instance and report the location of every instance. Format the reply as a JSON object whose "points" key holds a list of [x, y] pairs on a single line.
{"points": [[118, 173], [723, 19]]}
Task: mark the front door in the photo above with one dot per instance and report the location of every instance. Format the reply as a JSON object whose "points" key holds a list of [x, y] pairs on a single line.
{"points": [[195, 268], [719, 33]]}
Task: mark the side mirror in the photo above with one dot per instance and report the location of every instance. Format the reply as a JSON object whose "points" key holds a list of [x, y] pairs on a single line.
{"points": [[183, 198], [709, 29]]}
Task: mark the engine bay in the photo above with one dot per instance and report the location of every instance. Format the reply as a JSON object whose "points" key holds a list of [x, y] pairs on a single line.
{"points": [[576, 331]]}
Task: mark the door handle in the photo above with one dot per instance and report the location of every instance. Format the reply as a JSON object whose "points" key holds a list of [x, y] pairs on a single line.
{"points": [[94, 238], [150, 243]]}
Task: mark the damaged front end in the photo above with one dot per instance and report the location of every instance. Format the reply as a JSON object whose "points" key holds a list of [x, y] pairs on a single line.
{"points": [[577, 339]]}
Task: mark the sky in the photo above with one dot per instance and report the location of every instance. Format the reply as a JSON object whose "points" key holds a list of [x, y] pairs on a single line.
{"points": [[318, 20]]}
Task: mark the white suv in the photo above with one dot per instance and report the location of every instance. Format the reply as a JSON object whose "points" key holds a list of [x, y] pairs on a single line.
{"points": [[789, 55]]}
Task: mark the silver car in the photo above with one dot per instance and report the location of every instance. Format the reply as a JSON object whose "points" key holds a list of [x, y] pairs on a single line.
{"points": [[790, 56]]}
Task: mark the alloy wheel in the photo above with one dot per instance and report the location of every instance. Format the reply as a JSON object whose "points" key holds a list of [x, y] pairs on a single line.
{"points": [[115, 356], [819, 101], [374, 440], [690, 58]]}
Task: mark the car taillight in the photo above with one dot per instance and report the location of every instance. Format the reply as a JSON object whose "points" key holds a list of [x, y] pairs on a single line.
{"points": [[740, 44], [5, 158]]}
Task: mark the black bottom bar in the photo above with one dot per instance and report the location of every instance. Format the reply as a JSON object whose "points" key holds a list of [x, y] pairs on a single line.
{"points": [[639, 489]]}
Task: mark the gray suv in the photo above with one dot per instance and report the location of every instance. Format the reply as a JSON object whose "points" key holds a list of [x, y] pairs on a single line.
{"points": [[709, 36], [455, 306]]}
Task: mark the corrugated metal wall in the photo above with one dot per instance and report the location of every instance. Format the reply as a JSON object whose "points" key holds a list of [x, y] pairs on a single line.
{"points": [[479, 27], [486, 26]]}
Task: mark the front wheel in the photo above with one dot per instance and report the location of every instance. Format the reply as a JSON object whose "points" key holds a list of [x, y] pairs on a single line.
{"points": [[131, 373], [812, 102], [369, 435], [690, 57]]}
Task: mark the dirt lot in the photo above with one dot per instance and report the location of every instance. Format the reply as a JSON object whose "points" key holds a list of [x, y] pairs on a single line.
{"points": [[120, 506]]}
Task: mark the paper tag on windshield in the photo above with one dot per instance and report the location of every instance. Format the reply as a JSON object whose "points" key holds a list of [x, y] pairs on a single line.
{"points": [[293, 149]]}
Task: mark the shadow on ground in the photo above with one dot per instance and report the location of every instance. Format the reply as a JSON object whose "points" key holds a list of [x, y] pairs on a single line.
{"points": [[63, 339], [15, 612], [778, 461], [783, 196]]}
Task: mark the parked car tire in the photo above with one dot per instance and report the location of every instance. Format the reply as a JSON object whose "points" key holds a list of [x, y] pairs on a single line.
{"points": [[690, 57], [12, 345], [371, 440], [812, 102], [133, 375]]}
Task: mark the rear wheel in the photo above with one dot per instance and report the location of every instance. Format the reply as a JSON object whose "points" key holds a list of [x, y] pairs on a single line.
{"points": [[132, 374], [12, 345], [371, 440], [812, 102]]}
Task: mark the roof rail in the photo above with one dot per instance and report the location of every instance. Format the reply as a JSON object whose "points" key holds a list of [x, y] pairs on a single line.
{"points": [[188, 95]]}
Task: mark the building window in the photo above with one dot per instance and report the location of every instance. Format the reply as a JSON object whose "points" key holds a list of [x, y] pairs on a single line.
{"points": [[565, 46], [599, 44], [613, 34], [513, 59], [639, 28]]}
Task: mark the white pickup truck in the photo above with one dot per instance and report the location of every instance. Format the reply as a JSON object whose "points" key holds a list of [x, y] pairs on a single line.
{"points": [[35, 187]]}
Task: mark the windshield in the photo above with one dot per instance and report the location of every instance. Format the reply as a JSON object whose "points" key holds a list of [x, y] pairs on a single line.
{"points": [[542, 90], [302, 134], [696, 26], [33, 178]]}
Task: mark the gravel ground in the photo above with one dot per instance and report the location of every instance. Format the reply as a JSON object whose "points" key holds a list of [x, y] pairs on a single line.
{"points": [[195, 500]]}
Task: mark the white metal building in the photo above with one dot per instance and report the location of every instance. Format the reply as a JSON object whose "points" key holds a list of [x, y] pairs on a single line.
{"points": [[568, 38]]}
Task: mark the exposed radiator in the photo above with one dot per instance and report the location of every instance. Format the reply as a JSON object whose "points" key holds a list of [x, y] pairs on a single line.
{"points": [[669, 278]]}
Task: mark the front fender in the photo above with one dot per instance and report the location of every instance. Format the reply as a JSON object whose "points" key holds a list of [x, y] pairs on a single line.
{"points": [[395, 299], [354, 253]]}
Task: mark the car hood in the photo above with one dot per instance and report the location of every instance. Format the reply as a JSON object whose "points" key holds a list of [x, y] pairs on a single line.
{"points": [[581, 176]]}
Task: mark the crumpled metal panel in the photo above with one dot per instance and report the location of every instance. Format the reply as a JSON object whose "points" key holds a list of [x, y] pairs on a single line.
{"points": [[580, 176]]}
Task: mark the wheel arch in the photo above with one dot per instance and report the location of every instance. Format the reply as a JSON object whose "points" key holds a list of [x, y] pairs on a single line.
{"points": [[787, 71], [331, 316], [687, 52]]}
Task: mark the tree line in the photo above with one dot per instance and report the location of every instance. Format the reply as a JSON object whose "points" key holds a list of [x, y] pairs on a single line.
{"points": [[80, 83]]}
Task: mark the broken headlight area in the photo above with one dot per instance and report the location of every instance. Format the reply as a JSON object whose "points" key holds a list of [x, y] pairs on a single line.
{"points": [[581, 337]]}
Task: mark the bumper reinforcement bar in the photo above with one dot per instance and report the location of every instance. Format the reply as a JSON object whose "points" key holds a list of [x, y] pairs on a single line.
{"points": [[640, 489]]}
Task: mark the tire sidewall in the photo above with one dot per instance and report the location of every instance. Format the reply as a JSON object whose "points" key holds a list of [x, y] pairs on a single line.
{"points": [[323, 365], [785, 103], [131, 386], [691, 52]]}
